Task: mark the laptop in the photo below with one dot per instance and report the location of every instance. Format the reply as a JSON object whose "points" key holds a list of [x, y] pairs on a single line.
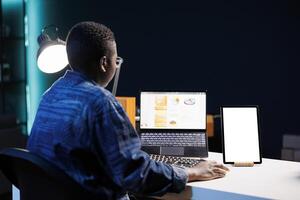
{"points": [[174, 123]]}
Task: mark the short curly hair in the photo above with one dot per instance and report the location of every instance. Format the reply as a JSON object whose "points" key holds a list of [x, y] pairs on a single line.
{"points": [[86, 43]]}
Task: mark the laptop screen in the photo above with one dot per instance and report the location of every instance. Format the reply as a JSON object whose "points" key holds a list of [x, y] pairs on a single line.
{"points": [[173, 110]]}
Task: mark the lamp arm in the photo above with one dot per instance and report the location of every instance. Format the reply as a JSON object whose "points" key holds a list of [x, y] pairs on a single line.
{"points": [[116, 80]]}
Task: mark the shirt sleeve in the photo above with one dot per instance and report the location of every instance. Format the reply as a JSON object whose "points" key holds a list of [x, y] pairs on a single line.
{"points": [[128, 166]]}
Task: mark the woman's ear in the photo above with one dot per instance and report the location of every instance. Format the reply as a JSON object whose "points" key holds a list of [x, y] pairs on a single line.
{"points": [[103, 64]]}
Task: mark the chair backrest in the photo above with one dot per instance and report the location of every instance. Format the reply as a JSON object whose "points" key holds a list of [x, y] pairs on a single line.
{"points": [[10, 136], [37, 178]]}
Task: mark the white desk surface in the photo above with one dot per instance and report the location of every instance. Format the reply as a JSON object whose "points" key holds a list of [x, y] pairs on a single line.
{"points": [[273, 179]]}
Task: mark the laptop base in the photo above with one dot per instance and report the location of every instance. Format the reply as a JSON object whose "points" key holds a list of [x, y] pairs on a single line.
{"points": [[177, 151]]}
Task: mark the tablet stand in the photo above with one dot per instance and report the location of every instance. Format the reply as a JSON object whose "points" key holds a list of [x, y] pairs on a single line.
{"points": [[243, 164]]}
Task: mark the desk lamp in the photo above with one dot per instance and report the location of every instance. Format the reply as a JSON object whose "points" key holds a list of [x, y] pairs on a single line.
{"points": [[52, 54], [117, 75]]}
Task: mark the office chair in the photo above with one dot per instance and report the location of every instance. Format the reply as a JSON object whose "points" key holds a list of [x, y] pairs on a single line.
{"points": [[10, 136], [38, 179]]}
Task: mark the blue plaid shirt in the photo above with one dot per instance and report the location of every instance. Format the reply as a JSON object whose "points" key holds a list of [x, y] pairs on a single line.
{"points": [[81, 128]]}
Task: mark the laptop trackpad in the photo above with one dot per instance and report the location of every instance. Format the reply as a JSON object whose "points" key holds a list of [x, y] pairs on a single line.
{"points": [[172, 151]]}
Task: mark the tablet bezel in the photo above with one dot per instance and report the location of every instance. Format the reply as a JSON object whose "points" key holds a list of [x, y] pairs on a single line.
{"points": [[258, 126]]}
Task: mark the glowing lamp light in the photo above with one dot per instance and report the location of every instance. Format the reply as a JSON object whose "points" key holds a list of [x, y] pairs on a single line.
{"points": [[52, 54]]}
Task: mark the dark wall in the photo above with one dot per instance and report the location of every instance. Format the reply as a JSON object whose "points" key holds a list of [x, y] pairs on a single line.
{"points": [[241, 52]]}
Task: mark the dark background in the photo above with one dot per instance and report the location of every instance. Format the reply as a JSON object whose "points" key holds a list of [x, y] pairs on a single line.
{"points": [[241, 52]]}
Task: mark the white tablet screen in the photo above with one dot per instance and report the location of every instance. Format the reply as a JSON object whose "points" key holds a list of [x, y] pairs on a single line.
{"points": [[240, 134]]}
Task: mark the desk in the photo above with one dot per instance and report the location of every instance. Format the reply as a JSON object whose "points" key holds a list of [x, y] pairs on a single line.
{"points": [[273, 179]]}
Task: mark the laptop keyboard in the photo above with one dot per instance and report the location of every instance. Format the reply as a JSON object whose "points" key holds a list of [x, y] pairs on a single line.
{"points": [[174, 139], [177, 161]]}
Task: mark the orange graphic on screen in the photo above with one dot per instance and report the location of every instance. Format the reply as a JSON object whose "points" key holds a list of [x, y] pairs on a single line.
{"points": [[160, 109]]}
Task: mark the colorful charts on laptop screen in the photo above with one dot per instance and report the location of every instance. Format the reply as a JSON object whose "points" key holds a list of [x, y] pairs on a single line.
{"points": [[173, 110]]}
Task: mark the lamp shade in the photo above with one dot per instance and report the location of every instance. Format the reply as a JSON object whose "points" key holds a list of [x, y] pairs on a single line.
{"points": [[52, 55]]}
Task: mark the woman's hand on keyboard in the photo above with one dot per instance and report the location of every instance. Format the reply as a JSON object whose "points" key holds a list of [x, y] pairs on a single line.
{"points": [[206, 170]]}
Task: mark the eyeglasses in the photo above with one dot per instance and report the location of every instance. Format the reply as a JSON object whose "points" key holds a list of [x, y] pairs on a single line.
{"points": [[119, 61]]}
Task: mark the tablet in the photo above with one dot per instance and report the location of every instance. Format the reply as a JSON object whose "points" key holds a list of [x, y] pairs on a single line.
{"points": [[240, 133]]}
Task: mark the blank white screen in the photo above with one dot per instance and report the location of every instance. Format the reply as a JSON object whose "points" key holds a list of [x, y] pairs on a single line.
{"points": [[241, 140]]}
